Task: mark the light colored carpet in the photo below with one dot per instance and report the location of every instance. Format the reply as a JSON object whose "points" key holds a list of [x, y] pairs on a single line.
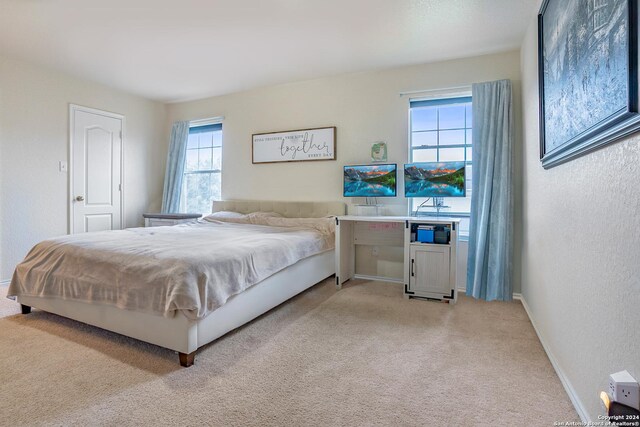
{"points": [[359, 356]]}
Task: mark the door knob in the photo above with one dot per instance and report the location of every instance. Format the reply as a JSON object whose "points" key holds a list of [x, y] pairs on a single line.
{"points": [[80, 199]]}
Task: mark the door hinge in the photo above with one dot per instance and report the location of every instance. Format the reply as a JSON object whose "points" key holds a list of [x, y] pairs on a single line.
{"points": [[119, 187]]}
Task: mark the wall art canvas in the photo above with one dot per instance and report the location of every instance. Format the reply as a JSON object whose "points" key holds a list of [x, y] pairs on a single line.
{"points": [[587, 74], [379, 152], [294, 145]]}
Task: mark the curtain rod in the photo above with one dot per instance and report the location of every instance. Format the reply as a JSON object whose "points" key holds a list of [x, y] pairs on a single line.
{"points": [[445, 89]]}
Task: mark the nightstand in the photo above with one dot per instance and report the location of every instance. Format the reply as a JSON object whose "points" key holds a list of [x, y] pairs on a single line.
{"points": [[160, 219]]}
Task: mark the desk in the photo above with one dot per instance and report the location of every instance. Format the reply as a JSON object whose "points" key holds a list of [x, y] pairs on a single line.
{"points": [[429, 269]]}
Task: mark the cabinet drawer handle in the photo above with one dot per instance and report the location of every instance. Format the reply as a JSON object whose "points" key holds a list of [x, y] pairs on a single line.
{"points": [[412, 262]]}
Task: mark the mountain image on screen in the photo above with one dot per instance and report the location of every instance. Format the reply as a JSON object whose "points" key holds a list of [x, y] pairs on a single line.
{"points": [[442, 179], [370, 181]]}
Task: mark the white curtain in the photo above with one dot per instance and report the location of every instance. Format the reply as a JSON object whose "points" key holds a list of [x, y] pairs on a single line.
{"points": [[175, 167]]}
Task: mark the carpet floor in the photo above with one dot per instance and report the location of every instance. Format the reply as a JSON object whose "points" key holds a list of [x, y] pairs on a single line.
{"points": [[360, 356]]}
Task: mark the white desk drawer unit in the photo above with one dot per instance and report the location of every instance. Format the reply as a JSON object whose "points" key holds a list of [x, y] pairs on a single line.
{"points": [[159, 220], [429, 269]]}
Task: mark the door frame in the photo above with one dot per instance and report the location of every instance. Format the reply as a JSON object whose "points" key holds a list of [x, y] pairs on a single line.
{"points": [[72, 110]]}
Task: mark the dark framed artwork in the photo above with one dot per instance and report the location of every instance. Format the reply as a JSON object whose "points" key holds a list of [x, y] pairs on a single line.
{"points": [[588, 76]]}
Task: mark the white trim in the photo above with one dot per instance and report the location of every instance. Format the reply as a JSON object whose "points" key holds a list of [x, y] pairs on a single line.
{"points": [[516, 295], [207, 121], [568, 388], [72, 109], [5, 282], [573, 396], [433, 93], [429, 94], [379, 278]]}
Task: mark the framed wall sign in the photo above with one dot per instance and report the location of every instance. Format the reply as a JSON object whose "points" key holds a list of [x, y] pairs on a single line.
{"points": [[294, 145], [588, 76], [379, 151]]}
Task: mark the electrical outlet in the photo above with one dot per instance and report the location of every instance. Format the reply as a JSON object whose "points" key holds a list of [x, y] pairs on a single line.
{"points": [[624, 389]]}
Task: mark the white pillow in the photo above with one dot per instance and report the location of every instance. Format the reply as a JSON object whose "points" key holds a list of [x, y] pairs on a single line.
{"points": [[226, 214], [322, 225], [259, 215], [251, 218], [223, 215]]}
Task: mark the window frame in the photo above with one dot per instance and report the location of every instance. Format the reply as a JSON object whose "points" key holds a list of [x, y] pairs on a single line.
{"points": [[443, 97], [196, 124]]}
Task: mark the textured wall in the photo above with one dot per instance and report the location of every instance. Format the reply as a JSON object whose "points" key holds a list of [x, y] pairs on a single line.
{"points": [[581, 252], [34, 122], [365, 107]]}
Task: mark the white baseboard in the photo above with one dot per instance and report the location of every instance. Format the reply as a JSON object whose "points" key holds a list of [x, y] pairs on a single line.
{"points": [[577, 403], [516, 295]]}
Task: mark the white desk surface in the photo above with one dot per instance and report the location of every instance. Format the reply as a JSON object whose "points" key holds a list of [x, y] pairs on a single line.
{"points": [[397, 218]]}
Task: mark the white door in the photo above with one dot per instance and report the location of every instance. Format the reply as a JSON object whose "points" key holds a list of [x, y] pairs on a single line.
{"points": [[96, 170], [430, 269]]}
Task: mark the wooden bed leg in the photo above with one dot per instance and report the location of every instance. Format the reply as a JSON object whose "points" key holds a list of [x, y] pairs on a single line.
{"points": [[186, 360], [25, 309]]}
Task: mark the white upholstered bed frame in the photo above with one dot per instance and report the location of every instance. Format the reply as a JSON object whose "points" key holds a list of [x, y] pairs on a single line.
{"points": [[186, 336]]}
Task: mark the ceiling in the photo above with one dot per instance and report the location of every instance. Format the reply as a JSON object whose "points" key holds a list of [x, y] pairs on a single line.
{"points": [[180, 50]]}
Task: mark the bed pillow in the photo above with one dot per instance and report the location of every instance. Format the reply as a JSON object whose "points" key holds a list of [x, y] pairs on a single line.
{"points": [[257, 216], [236, 217], [322, 225], [225, 214]]}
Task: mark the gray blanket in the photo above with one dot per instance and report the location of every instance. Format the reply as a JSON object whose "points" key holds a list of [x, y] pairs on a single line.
{"points": [[193, 268]]}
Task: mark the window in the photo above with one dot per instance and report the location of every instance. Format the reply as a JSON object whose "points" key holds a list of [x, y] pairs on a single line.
{"points": [[202, 170], [440, 131]]}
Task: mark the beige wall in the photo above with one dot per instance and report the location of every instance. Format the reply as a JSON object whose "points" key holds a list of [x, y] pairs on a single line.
{"points": [[34, 121], [581, 253], [365, 107]]}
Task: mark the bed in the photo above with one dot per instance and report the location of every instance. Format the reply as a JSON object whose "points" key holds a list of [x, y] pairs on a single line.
{"points": [[183, 327]]}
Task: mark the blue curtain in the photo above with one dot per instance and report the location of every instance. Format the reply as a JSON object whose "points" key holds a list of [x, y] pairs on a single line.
{"points": [[489, 272], [175, 167]]}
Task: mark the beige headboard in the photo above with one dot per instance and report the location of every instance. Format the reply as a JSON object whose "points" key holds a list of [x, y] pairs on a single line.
{"points": [[287, 209]]}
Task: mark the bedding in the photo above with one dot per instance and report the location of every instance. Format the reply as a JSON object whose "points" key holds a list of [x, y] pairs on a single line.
{"points": [[242, 218], [322, 225], [193, 268], [226, 214]]}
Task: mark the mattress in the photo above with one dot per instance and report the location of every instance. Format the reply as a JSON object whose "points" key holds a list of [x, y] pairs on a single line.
{"points": [[192, 268]]}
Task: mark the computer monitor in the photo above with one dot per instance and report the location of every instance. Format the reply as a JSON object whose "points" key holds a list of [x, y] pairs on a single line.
{"points": [[434, 179], [370, 180]]}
